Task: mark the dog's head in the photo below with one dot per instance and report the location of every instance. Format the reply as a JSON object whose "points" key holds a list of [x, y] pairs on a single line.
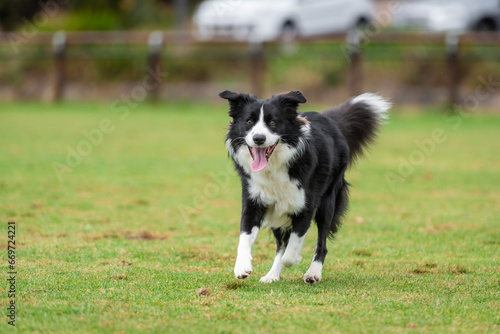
{"points": [[263, 125]]}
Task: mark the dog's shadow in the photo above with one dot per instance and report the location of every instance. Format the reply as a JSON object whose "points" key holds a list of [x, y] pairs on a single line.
{"points": [[290, 284]]}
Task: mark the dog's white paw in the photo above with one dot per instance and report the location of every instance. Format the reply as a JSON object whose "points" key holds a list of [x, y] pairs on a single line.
{"points": [[243, 268], [290, 260], [269, 278], [242, 275], [313, 274], [312, 279]]}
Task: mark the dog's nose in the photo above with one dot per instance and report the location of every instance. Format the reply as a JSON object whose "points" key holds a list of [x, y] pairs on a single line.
{"points": [[259, 139]]}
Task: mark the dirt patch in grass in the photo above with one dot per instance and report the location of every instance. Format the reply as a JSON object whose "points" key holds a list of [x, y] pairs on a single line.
{"points": [[426, 268], [147, 235], [418, 271], [458, 269], [233, 285], [125, 263], [439, 228], [433, 268], [203, 292], [144, 235], [202, 254], [362, 252], [141, 202], [119, 277], [359, 263]]}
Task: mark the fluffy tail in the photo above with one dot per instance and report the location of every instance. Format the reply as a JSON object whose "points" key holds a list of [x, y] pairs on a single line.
{"points": [[359, 120]]}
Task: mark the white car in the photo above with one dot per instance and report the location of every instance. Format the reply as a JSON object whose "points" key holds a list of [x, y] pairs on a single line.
{"points": [[448, 15], [265, 20]]}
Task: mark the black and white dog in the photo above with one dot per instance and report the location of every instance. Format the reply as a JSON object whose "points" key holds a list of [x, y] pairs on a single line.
{"points": [[292, 170]]}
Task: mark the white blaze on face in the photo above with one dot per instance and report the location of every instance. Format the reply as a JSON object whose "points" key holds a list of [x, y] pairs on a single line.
{"points": [[261, 152], [260, 128]]}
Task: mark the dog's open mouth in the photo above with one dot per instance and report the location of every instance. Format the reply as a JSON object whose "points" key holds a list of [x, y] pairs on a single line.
{"points": [[260, 156]]}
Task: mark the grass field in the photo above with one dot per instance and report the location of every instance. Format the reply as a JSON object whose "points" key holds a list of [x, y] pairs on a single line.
{"points": [[121, 234]]}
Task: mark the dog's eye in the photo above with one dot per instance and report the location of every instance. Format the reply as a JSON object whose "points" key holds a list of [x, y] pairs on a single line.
{"points": [[249, 121], [273, 122]]}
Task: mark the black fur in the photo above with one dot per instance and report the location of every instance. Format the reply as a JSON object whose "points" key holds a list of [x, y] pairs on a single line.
{"points": [[358, 123]]}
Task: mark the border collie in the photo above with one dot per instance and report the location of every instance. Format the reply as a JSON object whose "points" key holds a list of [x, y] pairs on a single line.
{"points": [[292, 168]]}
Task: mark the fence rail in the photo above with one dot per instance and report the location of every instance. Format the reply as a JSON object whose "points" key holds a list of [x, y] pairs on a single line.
{"points": [[171, 37], [156, 40]]}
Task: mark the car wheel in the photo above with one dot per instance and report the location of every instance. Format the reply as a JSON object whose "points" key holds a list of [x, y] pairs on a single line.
{"points": [[287, 38], [485, 25], [288, 33], [363, 24]]}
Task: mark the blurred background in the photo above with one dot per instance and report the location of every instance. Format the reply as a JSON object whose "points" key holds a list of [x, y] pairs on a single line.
{"points": [[419, 52], [114, 170]]}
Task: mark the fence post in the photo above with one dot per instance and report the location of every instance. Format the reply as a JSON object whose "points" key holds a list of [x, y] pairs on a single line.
{"points": [[257, 67], [452, 41], [155, 44], [59, 49], [355, 76], [181, 18]]}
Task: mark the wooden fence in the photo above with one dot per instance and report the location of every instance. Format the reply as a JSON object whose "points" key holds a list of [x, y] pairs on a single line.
{"points": [[353, 43]]}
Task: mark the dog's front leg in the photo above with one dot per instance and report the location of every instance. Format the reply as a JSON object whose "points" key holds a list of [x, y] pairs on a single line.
{"points": [[251, 219], [243, 266]]}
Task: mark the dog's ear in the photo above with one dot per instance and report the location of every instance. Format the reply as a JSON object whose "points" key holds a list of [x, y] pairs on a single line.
{"points": [[293, 96], [236, 101], [290, 101]]}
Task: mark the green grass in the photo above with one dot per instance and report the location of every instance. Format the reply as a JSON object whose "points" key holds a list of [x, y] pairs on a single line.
{"points": [[127, 238]]}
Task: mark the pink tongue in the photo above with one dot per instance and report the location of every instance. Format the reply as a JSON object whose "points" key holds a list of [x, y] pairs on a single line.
{"points": [[259, 159]]}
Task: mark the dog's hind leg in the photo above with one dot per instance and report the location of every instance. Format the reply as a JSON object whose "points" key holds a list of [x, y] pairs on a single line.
{"points": [[282, 237], [324, 216], [327, 219]]}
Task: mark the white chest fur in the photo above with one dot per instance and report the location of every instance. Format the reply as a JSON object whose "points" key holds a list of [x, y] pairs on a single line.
{"points": [[282, 195], [274, 187]]}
